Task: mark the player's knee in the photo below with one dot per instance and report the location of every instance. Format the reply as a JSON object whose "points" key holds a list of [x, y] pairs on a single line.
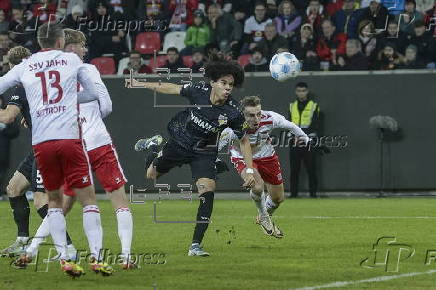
{"points": [[205, 185], [12, 190], [278, 199], [257, 189]]}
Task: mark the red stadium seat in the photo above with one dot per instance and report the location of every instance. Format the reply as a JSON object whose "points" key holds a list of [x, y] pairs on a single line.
{"points": [[187, 60], [147, 42], [105, 65], [244, 59], [160, 61]]}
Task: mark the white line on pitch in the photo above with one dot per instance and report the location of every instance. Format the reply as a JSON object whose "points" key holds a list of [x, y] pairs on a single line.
{"points": [[375, 279], [369, 217]]}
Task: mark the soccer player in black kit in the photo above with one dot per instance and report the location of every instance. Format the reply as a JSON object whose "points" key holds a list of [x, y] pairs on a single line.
{"points": [[194, 135]]}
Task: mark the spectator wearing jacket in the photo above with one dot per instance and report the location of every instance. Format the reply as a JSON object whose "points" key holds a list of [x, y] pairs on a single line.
{"points": [[288, 21], [271, 41], [330, 44], [198, 35]]}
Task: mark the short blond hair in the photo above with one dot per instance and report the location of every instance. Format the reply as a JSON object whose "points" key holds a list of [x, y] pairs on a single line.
{"points": [[74, 36], [17, 54]]}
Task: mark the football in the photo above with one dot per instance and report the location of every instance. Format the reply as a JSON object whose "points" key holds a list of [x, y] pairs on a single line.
{"points": [[284, 66]]}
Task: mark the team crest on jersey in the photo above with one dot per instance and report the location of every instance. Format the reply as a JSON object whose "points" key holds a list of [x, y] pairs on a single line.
{"points": [[85, 179], [222, 120]]}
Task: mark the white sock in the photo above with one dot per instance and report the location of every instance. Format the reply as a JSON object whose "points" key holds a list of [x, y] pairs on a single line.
{"points": [[22, 240], [125, 230], [42, 232], [58, 227], [93, 229], [270, 205], [258, 202]]}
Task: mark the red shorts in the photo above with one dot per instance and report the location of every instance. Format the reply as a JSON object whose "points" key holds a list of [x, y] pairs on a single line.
{"points": [[105, 164], [268, 168], [61, 161]]}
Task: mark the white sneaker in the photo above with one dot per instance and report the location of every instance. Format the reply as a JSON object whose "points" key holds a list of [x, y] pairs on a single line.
{"points": [[266, 224], [196, 250]]}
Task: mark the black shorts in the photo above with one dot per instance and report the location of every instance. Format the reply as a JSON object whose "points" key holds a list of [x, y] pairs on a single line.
{"points": [[202, 165], [37, 184], [26, 166]]}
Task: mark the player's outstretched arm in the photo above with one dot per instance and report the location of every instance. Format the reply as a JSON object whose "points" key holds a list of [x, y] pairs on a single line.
{"points": [[9, 114], [12, 78], [163, 88], [248, 158]]}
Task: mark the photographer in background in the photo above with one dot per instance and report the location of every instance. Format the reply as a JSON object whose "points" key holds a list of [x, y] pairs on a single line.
{"points": [[7, 133], [304, 112]]}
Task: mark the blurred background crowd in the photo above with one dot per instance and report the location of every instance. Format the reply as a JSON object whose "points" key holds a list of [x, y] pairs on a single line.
{"points": [[323, 34]]}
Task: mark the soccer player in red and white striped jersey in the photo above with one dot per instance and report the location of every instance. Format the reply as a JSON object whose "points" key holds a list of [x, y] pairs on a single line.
{"points": [[50, 78], [266, 162]]}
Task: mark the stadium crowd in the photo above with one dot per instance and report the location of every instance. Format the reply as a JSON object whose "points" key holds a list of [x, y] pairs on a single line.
{"points": [[323, 34]]}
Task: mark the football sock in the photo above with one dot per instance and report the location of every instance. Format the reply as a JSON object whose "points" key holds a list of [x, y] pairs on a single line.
{"points": [[151, 154], [21, 211], [204, 213], [125, 230], [271, 206], [42, 232], [42, 211], [93, 229], [57, 227], [258, 202]]}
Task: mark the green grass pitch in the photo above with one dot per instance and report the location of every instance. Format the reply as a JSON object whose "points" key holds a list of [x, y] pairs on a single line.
{"points": [[326, 239]]}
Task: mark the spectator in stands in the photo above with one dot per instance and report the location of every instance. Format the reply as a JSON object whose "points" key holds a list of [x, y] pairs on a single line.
{"points": [[303, 46], [135, 63], [197, 35], [410, 60], [210, 49], [5, 44], [241, 9], [104, 41], [368, 40], [182, 14], [4, 23], [22, 30], [254, 27], [392, 35], [226, 31], [72, 20], [388, 58], [376, 13], [330, 44], [315, 14], [44, 11], [271, 41], [258, 62], [408, 17], [424, 5], [341, 18], [5, 5], [353, 59], [174, 60], [430, 18], [288, 21], [423, 40], [197, 60]]}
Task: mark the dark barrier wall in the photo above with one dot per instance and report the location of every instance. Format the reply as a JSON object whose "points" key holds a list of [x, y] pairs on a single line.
{"points": [[347, 103]]}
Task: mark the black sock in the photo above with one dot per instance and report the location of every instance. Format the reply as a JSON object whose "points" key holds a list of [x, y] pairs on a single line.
{"points": [[42, 211], [21, 212], [203, 216], [152, 153]]}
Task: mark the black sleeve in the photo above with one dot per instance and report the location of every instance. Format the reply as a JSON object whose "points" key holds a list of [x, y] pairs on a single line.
{"points": [[189, 90], [18, 97], [238, 125]]}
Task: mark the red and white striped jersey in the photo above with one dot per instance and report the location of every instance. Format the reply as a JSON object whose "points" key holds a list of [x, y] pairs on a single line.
{"points": [[50, 78], [260, 137], [91, 114]]}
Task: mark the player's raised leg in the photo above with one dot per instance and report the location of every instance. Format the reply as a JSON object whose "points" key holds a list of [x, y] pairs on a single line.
{"points": [[273, 199]]}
